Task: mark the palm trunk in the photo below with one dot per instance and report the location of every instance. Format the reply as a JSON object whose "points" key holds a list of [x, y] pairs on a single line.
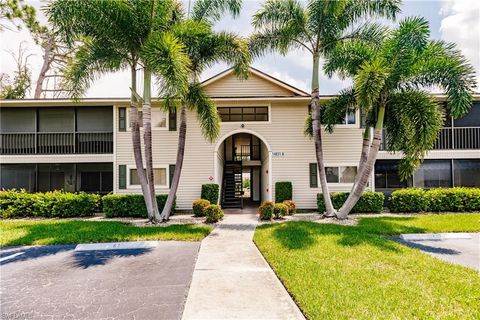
{"points": [[137, 148], [147, 141], [182, 135], [317, 136], [363, 155], [364, 174]]}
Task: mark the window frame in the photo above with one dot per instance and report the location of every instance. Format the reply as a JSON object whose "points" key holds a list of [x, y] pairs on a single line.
{"points": [[263, 105], [138, 186], [339, 173], [167, 123]]}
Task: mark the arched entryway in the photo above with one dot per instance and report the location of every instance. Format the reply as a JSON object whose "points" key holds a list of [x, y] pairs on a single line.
{"points": [[243, 168]]}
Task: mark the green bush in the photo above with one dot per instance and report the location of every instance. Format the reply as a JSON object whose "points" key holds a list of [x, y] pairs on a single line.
{"points": [[280, 210], [283, 191], [214, 213], [292, 207], [210, 192], [453, 199], [130, 205], [266, 210], [55, 204], [369, 202], [408, 200], [199, 207]]}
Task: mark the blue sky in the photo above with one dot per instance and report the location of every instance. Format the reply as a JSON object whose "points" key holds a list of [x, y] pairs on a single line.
{"points": [[451, 20]]}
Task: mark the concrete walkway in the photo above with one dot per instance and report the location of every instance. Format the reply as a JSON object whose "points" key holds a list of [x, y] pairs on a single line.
{"points": [[232, 280]]}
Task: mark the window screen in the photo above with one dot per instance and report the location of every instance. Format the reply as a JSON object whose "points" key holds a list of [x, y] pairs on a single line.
{"points": [[236, 114]]}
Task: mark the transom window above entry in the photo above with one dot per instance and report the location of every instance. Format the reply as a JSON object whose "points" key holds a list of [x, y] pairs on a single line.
{"points": [[240, 114]]}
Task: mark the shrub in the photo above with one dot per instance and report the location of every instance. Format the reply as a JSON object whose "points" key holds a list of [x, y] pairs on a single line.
{"points": [[214, 213], [453, 199], [280, 210], [210, 192], [266, 210], [408, 200], [199, 207], [283, 191], [130, 205], [292, 207], [16, 204], [369, 202]]}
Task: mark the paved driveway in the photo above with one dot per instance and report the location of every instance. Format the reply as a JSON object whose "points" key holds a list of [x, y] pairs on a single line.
{"points": [[57, 282], [462, 249]]}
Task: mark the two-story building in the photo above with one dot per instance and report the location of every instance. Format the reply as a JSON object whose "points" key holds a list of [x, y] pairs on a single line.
{"points": [[86, 146]]}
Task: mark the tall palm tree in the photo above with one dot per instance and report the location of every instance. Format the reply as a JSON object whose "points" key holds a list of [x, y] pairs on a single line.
{"points": [[390, 82], [113, 35], [317, 27], [205, 47]]}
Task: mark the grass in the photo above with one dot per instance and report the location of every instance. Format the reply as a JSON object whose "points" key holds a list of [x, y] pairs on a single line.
{"points": [[46, 232], [356, 272]]}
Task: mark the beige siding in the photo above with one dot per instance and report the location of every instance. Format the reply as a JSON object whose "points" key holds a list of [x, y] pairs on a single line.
{"points": [[254, 86]]}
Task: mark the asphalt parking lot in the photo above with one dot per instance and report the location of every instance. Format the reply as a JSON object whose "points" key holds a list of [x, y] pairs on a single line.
{"points": [[462, 249], [59, 282]]}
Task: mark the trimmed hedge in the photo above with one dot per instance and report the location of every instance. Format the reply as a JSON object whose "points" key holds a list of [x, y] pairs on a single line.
{"points": [[280, 210], [55, 204], [369, 202], [214, 213], [199, 206], [283, 191], [437, 200], [130, 205], [266, 210], [210, 192]]}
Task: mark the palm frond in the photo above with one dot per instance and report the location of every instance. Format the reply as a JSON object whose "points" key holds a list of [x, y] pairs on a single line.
{"points": [[207, 113], [213, 10], [165, 55], [370, 81], [347, 57], [335, 109]]}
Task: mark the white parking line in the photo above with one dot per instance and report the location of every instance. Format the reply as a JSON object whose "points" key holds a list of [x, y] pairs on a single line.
{"points": [[11, 256]]}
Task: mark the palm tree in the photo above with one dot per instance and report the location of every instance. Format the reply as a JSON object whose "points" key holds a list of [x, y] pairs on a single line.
{"points": [[205, 47], [390, 82], [317, 27], [110, 36]]}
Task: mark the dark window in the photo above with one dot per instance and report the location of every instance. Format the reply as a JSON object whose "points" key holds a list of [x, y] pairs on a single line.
{"points": [[466, 173], [94, 119], [172, 119], [386, 175], [95, 177], [332, 174], [122, 176], [122, 119], [56, 176], [56, 119], [471, 119], [236, 114], [433, 174], [19, 120], [17, 176], [313, 175]]}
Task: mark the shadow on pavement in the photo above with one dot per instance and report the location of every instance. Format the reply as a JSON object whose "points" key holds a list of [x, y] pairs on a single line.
{"points": [[86, 259]]}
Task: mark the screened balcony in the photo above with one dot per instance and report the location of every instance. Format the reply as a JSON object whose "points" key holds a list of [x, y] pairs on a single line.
{"points": [[457, 134], [85, 130]]}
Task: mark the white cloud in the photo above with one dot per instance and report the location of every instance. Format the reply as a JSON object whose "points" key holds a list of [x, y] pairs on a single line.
{"points": [[461, 24]]}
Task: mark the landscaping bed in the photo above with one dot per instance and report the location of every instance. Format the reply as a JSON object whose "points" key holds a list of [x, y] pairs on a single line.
{"points": [[356, 272], [48, 232]]}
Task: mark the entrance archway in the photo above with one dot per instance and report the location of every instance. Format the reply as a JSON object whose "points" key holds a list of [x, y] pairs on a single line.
{"points": [[236, 153]]}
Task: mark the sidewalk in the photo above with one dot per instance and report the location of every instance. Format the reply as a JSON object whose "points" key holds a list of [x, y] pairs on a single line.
{"points": [[232, 280]]}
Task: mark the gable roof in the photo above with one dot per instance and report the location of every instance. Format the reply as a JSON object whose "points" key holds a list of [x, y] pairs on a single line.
{"points": [[223, 83]]}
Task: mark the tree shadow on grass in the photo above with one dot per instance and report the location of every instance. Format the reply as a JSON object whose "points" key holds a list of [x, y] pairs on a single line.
{"points": [[74, 232], [370, 231]]}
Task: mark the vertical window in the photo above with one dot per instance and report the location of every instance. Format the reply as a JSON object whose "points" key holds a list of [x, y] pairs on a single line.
{"points": [[466, 173], [313, 175], [172, 119], [433, 174], [159, 177], [122, 176], [122, 119]]}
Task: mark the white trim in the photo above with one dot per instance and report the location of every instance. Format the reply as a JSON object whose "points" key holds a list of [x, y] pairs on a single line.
{"points": [[137, 186], [248, 105]]}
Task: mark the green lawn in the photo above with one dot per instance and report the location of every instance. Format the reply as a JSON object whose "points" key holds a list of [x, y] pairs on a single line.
{"points": [[44, 232], [356, 272]]}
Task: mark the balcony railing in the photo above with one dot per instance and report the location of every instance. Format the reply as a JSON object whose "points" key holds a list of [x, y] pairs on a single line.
{"points": [[56, 143], [248, 152], [457, 138]]}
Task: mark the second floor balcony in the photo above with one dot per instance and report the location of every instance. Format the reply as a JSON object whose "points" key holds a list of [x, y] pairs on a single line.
{"points": [[453, 138]]}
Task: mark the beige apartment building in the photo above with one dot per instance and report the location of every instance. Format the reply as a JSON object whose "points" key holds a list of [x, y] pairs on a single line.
{"points": [[86, 146]]}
